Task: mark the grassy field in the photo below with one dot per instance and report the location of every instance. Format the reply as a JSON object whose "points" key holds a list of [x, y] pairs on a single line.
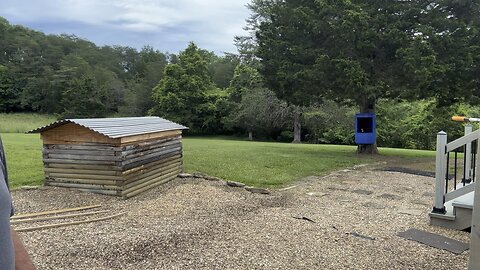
{"points": [[22, 122], [24, 158], [264, 164]]}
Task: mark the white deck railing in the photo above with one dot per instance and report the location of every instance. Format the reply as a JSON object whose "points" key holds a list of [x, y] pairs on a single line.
{"points": [[443, 195]]}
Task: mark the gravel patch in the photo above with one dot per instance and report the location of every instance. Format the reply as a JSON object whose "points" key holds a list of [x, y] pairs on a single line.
{"points": [[409, 171], [192, 223]]}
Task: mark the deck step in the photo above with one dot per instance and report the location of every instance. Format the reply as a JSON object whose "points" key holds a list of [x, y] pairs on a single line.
{"points": [[446, 216], [465, 201], [462, 205], [458, 215]]}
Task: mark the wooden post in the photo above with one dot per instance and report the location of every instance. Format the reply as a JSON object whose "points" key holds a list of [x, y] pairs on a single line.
{"points": [[440, 170], [468, 155], [474, 260]]}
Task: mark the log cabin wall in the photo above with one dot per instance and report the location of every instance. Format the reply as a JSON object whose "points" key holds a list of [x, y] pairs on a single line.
{"points": [[150, 163], [77, 157], [85, 166]]}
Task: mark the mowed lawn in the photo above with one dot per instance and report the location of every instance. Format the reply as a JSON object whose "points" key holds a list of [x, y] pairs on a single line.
{"points": [[265, 164], [24, 158], [22, 122]]}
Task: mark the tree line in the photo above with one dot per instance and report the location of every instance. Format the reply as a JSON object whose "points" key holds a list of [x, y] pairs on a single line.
{"points": [[72, 77], [303, 71], [361, 51]]}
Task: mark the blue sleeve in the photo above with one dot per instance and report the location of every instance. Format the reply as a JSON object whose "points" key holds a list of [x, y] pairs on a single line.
{"points": [[3, 167], [4, 161]]}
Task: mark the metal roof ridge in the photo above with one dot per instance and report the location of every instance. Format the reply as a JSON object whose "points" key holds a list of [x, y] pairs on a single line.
{"points": [[112, 118], [103, 130], [93, 130], [62, 121]]}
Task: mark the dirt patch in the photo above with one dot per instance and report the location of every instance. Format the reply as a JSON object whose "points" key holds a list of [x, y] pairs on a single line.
{"points": [[199, 224]]}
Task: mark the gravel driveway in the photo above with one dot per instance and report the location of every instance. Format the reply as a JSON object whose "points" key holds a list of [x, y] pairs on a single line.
{"points": [[200, 224]]}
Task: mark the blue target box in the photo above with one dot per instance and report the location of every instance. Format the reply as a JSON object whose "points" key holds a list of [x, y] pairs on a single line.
{"points": [[365, 128]]}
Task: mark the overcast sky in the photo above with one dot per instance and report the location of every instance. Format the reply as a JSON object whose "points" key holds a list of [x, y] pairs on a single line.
{"points": [[167, 25]]}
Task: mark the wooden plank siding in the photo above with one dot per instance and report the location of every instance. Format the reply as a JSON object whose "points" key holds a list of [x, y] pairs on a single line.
{"points": [[150, 184], [79, 158], [71, 133], [149, 137]]}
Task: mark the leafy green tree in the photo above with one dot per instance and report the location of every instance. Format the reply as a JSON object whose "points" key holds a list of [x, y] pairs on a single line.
{"points": [[185, 92], [259, 111], [215, 110], [256, 109], [43, 93], [245, 79], [113, 88], [84, 98], [360, 51], [86, 91], [329, 122], [9, 95], [221, 70], [137, 99]]}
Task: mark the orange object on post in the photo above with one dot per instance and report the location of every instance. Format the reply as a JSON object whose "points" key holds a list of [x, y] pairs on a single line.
{"points": [[459, 118]]}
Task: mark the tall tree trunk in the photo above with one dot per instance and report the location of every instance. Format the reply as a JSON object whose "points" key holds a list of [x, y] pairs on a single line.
{"points": [[250, 135], [297, 125], [367, 106]]}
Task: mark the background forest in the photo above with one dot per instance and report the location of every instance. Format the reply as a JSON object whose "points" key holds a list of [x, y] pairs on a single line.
{"points": [[242, 94]]}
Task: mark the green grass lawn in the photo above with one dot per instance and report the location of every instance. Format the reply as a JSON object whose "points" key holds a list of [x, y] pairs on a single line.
{"points": [[22, 122], [265, 164], [24, 158]]}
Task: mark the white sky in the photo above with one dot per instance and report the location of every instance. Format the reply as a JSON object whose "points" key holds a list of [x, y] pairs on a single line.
{"points": [[166, 25]]}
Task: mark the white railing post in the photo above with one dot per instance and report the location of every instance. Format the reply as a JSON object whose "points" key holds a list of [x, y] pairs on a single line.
{"points": [[474, 260], [440, 172], [468, 156]]}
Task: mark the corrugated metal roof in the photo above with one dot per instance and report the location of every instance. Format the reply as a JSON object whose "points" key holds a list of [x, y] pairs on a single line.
{"points": [[118, 127]]}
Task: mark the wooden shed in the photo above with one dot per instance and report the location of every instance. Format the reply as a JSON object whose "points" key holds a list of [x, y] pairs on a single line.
{"points": [[113, 156]]}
